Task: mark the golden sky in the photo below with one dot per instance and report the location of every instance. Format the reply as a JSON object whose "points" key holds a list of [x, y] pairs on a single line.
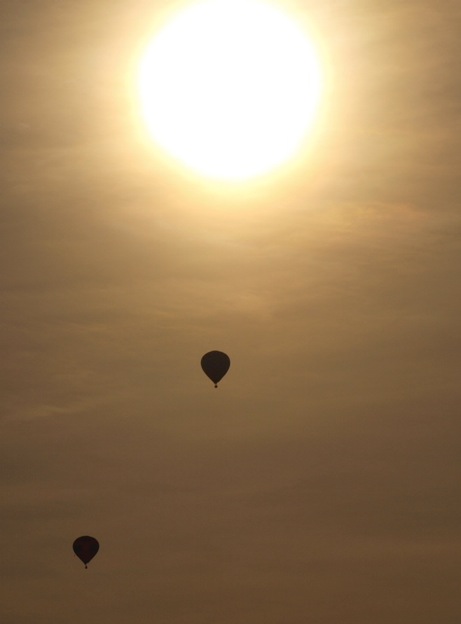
{"points": [[320, 483]]}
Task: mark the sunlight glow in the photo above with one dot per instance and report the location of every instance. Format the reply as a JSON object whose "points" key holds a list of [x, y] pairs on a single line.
{"points": [[230, 88]]}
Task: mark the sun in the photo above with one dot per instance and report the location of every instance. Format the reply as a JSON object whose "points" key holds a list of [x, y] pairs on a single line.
{"points": [[230, 88]]}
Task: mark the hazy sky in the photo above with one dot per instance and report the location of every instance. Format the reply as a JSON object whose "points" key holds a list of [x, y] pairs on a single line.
{"points": [[320, 484]]}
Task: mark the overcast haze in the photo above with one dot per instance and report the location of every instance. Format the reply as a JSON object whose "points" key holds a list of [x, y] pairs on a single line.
{"points": [[320, 484]]}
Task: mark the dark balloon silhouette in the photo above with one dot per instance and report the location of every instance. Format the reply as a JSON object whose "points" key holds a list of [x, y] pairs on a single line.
{"points": [[215, 365], [85, 547]]}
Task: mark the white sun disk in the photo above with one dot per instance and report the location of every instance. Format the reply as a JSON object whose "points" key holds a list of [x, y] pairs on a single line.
{"points": [[230, 88]]}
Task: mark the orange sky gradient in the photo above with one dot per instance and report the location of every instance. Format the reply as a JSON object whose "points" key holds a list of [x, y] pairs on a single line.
{"points": [[320, 483]]}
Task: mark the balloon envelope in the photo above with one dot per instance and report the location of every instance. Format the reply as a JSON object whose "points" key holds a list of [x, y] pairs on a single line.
{"points": [[215, 365], [85, 547]]}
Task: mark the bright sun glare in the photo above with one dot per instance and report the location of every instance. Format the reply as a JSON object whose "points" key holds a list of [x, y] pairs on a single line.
{"points": [[230, 87]]}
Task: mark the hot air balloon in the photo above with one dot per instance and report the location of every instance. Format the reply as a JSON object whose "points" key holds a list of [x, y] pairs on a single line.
{"points": [[85, 547], [215, 365]]}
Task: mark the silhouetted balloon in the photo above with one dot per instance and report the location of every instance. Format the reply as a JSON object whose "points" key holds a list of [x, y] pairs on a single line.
{"points": [[215, 365], [85, 547]]}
